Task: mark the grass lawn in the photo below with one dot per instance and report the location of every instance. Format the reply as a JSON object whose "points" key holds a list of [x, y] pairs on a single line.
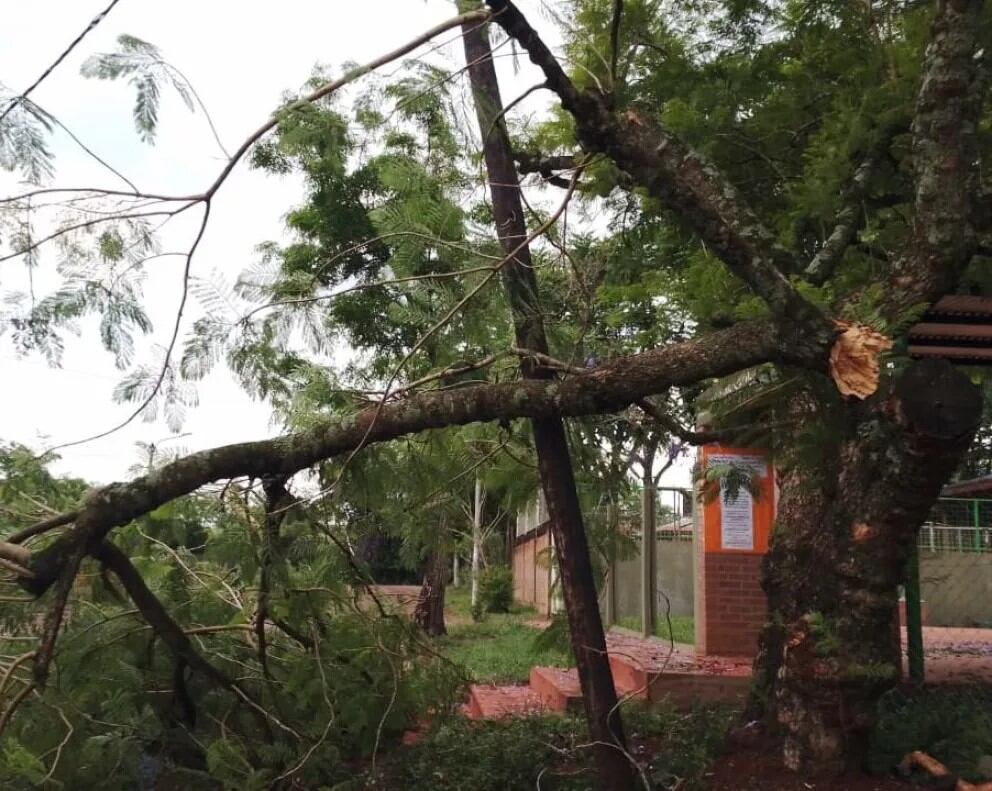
{"points": [[683, 627], [501, 647]]}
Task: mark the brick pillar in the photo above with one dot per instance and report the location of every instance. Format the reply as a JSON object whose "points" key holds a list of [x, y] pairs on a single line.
{"points": [[730, 607]]}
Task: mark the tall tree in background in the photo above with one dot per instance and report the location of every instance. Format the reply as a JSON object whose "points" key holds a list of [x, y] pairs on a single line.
{"points": [[554, 461]]}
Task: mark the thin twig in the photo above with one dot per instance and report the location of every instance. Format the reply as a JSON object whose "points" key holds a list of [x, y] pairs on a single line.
{"points": [[508, 259], [65, 53]]}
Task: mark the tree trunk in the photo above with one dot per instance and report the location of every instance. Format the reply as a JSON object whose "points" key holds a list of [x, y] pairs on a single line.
{"points": [[843, 533], [476, 538], [429, 612], [649, 606], [554, 463]]}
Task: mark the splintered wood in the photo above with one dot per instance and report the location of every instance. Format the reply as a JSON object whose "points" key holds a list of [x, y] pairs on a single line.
{"points": [[933, 767], [854, 358]]}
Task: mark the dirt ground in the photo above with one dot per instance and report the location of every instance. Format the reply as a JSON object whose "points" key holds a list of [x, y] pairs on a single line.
{"points": [[756, 766]]}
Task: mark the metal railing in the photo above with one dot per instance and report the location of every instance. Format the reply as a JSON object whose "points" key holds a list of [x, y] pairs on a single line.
{"points": [[958, 525], [669, 527]]}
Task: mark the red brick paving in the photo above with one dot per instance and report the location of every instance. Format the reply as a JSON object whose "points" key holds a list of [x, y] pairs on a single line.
{"points": [[651, 669], [400, 597], [653, 654], [955, 655]]}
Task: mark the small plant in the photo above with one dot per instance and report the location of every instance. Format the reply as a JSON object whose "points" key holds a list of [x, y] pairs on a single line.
{"points": [[477, 610], [496, 589]]}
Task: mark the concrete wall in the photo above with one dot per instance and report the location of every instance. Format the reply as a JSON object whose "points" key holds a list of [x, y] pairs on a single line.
{"points": [[531, 573], [957, 588], [673, 574]]}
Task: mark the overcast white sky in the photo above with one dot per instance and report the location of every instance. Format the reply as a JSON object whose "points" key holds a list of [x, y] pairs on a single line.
{"points": [[240, 56]]}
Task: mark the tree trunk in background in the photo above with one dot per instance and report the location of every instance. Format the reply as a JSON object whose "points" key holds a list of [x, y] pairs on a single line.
{"points": [[841, 541], [455, 580], [649, 547], [554, 462], [476, 538], [429, 612]]}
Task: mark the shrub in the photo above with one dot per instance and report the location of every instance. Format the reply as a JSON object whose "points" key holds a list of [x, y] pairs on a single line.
{"points": [[500, 649], [673, 749], [952, 725], [496, 589]]}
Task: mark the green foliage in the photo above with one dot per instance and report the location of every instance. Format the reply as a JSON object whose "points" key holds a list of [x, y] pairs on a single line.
{"points": [[496, 589], [555, 636], [501, 648], [24, 138], [674, 750], [683, 627], [142, 65], [349, 683], [952, 725]]}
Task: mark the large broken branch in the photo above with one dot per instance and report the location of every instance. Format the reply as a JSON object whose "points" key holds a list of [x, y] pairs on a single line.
{"points": [[608, 388], [676, 175]]}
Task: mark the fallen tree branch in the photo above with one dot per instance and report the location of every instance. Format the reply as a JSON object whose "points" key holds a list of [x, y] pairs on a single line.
{"points": [[172, 634], [42, 527], [610, 387], [278, 501]]}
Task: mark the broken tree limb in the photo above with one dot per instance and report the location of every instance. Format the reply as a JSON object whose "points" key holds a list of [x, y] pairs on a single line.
{"points": [[278, 501], [610, 387]]}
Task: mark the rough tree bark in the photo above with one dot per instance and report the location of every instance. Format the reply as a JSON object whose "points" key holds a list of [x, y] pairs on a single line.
{"points": [[553, 458], [828, 650], [429, 612], [607, 388]]}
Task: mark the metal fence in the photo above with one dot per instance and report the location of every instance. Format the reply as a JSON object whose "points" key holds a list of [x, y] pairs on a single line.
{"points": [[958, 525], [668, 566]]}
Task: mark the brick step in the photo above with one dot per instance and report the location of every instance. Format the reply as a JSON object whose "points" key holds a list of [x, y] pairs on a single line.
{"points": [[487, 702], [557, 689], [686, 680], [682, 689]]}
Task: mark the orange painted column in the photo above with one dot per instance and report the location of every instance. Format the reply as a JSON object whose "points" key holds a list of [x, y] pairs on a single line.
{"points": [[731, 541]]}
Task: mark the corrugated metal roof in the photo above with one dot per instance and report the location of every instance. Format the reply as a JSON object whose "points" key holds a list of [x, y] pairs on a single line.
{"points": [[975, 486], [960, 353], [961, 332], [962, 305], [958, 327]]}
